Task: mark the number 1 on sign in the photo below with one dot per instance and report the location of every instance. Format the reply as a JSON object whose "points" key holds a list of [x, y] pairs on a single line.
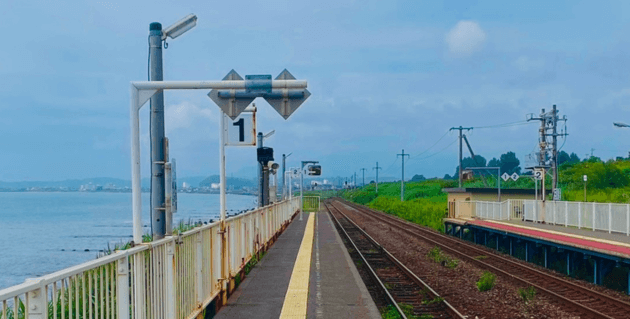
{"points": [[241, 129]]}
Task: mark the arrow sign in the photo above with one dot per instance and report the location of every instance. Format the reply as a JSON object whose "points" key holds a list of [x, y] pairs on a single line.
{"points": [[505, 177], [514, 177], [230, 104], [287, 102]]}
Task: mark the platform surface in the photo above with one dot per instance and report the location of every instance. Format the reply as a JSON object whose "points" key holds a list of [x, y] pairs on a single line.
{"points": [[595, 241], [334, 288]]}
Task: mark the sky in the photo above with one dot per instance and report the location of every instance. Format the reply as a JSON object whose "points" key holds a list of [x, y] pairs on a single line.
{"points": [[384, 76]]}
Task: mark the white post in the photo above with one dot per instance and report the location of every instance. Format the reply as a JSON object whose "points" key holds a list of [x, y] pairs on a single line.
{"points": [[627, 220], [609, 218], [579, 215], [136, 198], [566, 214], [222, 168], [593, 216], [170, 279], [36, 303], [122, 288], [555, 218], [199, 270]]}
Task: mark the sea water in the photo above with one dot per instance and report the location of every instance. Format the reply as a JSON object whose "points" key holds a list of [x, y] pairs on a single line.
{"points": [[42, 232]]}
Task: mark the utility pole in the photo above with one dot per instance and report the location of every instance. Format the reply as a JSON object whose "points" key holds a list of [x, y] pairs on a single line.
{"points": [[363, 169], [460, 128], [549, 121], [158, 161], [402, 180], [377, 168]]}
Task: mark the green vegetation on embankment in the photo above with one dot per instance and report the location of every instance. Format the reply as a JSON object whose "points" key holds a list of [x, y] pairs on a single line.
{"points": [[425, 203]]}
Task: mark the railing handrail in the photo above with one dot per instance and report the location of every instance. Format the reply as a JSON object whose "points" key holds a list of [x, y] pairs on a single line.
{"points": [[33, 284]]}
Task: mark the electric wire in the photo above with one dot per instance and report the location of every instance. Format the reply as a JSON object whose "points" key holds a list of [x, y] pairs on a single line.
{"points": [[440, 151], [504, 125], [430, 147]]}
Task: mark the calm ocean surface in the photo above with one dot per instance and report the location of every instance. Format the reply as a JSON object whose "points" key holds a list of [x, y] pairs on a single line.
{"points": [[45, 232]]}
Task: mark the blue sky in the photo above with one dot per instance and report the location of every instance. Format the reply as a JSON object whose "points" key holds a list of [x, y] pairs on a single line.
{"points": [[384, 75]]}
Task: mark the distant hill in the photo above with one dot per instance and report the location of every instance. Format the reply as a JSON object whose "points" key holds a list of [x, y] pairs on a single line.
{"points": [[76, 183], [71, 183], [235, 182]]}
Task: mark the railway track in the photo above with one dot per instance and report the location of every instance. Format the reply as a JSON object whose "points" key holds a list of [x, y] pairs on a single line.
{"points": [[572, 297], [403, 289]]}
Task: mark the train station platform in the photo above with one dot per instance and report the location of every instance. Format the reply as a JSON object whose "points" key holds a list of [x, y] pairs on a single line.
{"points": [[306, 273], [600, 257], [596, 241]]}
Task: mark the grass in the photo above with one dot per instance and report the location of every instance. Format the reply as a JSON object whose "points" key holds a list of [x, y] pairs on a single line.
{"points": [[433, 301], [527, 294], [74, 293], [437, 256], [424, 204], [390, 312], [486, 281]]}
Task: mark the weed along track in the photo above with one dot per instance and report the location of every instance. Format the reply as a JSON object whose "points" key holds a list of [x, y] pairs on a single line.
{"points": [[573, 298], [406, 294]]}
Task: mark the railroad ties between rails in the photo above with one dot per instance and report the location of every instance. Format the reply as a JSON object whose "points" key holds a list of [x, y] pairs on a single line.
{"points": [[401, 287], [574, 298]]}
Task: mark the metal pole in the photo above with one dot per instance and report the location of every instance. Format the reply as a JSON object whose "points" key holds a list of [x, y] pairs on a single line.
{"points": [[377, 168], [284, 157], [265, 185], [461, 174], [363, 169], [585, 191], [158, 222], [301, 189], [222, 182], [499, 182], [260, 173], [136, 190], [555, 147]]}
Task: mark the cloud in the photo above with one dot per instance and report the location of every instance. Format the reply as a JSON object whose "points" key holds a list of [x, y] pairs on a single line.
{"points": [[465, 38], [187, 115]]}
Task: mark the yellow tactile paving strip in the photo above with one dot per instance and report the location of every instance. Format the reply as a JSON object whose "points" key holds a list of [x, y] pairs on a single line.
{"points": [[296, 299]]}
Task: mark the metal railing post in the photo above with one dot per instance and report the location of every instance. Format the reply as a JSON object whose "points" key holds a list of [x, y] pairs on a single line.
{"points": [[593, 216], [170, 279], [566, 214], [122, 288], [609, 218], [579, 215], [36, 303]]}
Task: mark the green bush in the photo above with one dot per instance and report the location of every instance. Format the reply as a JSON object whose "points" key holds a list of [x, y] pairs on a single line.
{"points": [[486, 281]]}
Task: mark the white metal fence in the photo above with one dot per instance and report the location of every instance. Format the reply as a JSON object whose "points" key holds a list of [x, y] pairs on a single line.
{"points": [[596, 216], [311, 203], [175, 277]]}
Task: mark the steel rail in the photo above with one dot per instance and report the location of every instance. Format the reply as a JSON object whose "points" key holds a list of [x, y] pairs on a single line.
{"points": [[449, 308], [393, 221]]}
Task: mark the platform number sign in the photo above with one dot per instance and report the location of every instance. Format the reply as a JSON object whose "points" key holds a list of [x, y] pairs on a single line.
{"points": [[240, 131]]}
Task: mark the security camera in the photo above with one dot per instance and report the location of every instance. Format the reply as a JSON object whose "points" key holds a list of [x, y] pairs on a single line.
{"points": [[180, 27]]}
